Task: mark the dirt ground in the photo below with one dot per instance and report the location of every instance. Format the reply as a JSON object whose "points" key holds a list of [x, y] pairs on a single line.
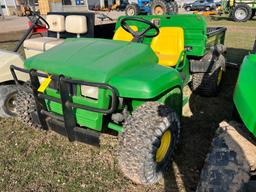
{"points": [[35, 160]]}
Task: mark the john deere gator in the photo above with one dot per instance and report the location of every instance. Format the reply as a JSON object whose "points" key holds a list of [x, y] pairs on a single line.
{"points": [[130, 86]]}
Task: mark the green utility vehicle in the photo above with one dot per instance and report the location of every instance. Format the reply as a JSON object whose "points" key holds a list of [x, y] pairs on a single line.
{"points": [[239, 10], [244, 94], [130, 85]]}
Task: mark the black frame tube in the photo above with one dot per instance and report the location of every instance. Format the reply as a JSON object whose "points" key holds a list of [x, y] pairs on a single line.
{"points": [[216, 31], [254, 48], [39, 102]]}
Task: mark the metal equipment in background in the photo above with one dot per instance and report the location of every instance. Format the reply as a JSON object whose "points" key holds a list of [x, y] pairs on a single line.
{"points": [[239, 10], [154, 7]]}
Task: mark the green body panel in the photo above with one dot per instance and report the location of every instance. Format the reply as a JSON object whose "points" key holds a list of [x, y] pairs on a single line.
{"points": [[86, 118], [251, 3], [171, 98], [245, 93], [194, 26], [129, 67]]}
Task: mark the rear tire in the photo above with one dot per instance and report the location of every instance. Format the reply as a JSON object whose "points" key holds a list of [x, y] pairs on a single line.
{"points": [[8, 100], [26, 106], [161, 7], [241, 13], [132, 10], [208, 84], [145, 129], [205, 84]]}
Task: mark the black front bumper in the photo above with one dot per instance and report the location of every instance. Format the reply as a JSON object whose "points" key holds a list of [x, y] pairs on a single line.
{"points": [[66, 124]]}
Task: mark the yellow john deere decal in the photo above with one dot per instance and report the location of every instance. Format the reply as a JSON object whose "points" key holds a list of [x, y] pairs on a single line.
{"points": [[44, 84]]}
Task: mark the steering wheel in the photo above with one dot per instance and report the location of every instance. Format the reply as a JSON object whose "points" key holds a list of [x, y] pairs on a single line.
{"points": [[38, 20], [136, 34]]}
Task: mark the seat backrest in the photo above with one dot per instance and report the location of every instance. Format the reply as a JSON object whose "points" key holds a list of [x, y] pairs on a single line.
{"points": [[76, 24], [123, 35], [170, 41], [56, 23]]}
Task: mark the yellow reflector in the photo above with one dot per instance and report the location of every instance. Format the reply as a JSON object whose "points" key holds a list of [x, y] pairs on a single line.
{"points": [[219, 77], [44, 84]]}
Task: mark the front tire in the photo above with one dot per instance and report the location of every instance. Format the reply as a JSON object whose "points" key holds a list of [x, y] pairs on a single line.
{"points": [[26, 106], [8, 100], [225, 168], [241, 13], [148, 142]]}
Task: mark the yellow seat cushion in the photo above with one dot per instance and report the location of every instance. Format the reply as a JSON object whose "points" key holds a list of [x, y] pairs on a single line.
{"points": [[167, 60], [123, 35], [168, 45]]}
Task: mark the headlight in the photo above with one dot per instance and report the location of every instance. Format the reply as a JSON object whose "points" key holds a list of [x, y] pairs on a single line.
{"points": [[88, 91], [41, 79]]}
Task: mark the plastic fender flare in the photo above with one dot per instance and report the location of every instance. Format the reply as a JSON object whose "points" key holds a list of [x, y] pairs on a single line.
{"points": [[9, 58], [211, 61], [169, 98]]}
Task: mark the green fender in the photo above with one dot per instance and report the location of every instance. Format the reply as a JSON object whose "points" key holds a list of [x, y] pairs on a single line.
{"points": [[146, 82], [245, 93]]}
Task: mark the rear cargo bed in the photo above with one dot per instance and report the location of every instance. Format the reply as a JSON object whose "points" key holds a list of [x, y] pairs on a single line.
{"points": [[215, 35]]}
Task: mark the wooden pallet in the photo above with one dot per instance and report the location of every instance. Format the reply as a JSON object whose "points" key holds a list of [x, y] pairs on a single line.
{"points": [[46, 6]]}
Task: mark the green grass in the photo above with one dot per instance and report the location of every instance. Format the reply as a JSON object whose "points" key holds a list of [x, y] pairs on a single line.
{"points": [[39, 161], [35, 160]]}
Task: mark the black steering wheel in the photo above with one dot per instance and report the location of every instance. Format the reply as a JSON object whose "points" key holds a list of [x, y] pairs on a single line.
{"points": [[138, 35], [38, 20]]}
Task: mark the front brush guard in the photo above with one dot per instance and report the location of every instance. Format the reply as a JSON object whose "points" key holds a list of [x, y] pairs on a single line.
{"points": [[65, 99]]}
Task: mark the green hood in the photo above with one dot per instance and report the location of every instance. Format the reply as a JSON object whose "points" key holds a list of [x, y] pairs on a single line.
{"points": [[130, 67], [92, 59]]}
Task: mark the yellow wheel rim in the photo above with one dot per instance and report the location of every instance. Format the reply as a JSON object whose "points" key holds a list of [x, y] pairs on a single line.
{"points": [[164, 146], [220, 74]]}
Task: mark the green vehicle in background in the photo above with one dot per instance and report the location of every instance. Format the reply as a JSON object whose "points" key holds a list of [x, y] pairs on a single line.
{"points": [[245, 94], [131, 86], [239, 10]]}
